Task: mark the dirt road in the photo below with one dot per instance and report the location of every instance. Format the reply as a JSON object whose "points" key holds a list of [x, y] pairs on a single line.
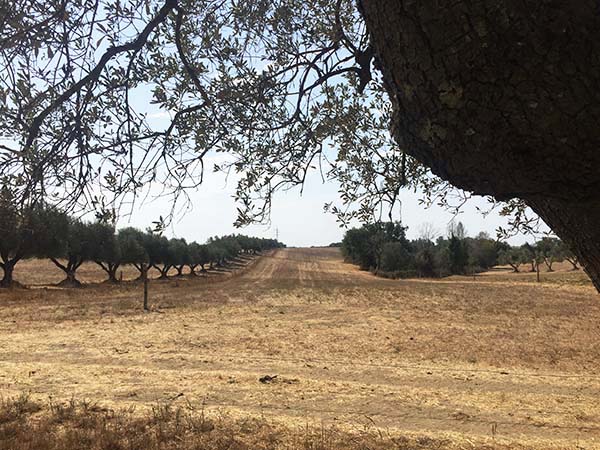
{"points": [[496, 359]]}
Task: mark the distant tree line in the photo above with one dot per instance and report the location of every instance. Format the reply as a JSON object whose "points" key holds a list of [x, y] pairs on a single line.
{"points": [[43, 232], [383, 248]]}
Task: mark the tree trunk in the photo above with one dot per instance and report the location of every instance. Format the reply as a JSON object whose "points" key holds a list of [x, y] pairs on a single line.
{"points": [[164, 271], [574, 263], [111, 271], [71, 272], [578, 226], [71, 279], [145, 279], [7, 279], [180, 270], [112, 275], [497, 98]]}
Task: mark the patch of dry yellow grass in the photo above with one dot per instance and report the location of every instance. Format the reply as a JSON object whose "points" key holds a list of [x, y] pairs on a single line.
{"points": [[498, 359]]}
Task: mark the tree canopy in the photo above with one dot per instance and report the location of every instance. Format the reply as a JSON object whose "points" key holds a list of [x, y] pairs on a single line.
{"points": [[495, 98]]}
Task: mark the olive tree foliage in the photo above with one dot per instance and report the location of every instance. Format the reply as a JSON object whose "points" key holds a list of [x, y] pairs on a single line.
{"points": [[282, 87], [84, 241], [27, 231], [132, 248], [514, 257], [106, 249]]}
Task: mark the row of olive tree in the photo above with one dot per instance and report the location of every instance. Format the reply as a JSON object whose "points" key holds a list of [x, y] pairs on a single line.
{"points": [[383, 248], [146, 249], [43, 232], [547, 251]]}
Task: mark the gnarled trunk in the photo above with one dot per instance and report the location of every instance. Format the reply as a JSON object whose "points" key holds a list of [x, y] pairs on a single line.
{"points": [[70, 270], [111, 270], [499, 98], [164, 271], [8, 268]]}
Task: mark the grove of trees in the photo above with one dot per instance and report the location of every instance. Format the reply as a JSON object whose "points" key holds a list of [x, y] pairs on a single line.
{"points": [[382, 247], [45, 232]]}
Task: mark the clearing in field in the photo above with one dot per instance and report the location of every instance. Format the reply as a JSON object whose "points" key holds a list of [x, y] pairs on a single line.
{"points": [[301, 341]]}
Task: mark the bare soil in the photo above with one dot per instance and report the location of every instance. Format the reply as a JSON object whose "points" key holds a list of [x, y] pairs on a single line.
{"points": [[495, 359]]}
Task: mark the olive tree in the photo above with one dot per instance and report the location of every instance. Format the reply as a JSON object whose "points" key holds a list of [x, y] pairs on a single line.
{"points": [[496, 98], [15, 235], [550, 250], [180, 255], [160, 255], [81, 242], [106, 249], [133, 251], [514, 257], [30, 231], [198, 256]]}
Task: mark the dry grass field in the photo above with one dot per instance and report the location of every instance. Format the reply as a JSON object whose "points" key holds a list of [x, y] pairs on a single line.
{"points": [[495, 360]]}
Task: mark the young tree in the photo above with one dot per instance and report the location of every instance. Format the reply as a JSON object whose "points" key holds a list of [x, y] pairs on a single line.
{"points": [[180, 255], [160, 253], [15, 235], [195, 255], [27, 232], [568, 255], [132, 247], [532, 254], [80, 245], [550, 250], [105, 249], [514, 257]]}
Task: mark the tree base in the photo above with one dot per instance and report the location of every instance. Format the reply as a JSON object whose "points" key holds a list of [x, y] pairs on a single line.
{"points": [[12, 285], [70, 283]]}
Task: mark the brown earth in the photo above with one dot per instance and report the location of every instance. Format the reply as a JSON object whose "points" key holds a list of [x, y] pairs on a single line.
{"points": [[495, 359]]}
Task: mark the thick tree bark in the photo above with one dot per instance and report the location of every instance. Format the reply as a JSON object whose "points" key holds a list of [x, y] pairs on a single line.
{"points": [[579, 226], [502, 99]]}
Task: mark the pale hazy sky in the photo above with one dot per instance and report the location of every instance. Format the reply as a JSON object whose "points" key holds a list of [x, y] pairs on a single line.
{"points": [[300, 220]]}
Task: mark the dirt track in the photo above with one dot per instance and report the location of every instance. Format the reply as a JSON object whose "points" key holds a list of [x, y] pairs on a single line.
{"points": [[495, 359]]}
